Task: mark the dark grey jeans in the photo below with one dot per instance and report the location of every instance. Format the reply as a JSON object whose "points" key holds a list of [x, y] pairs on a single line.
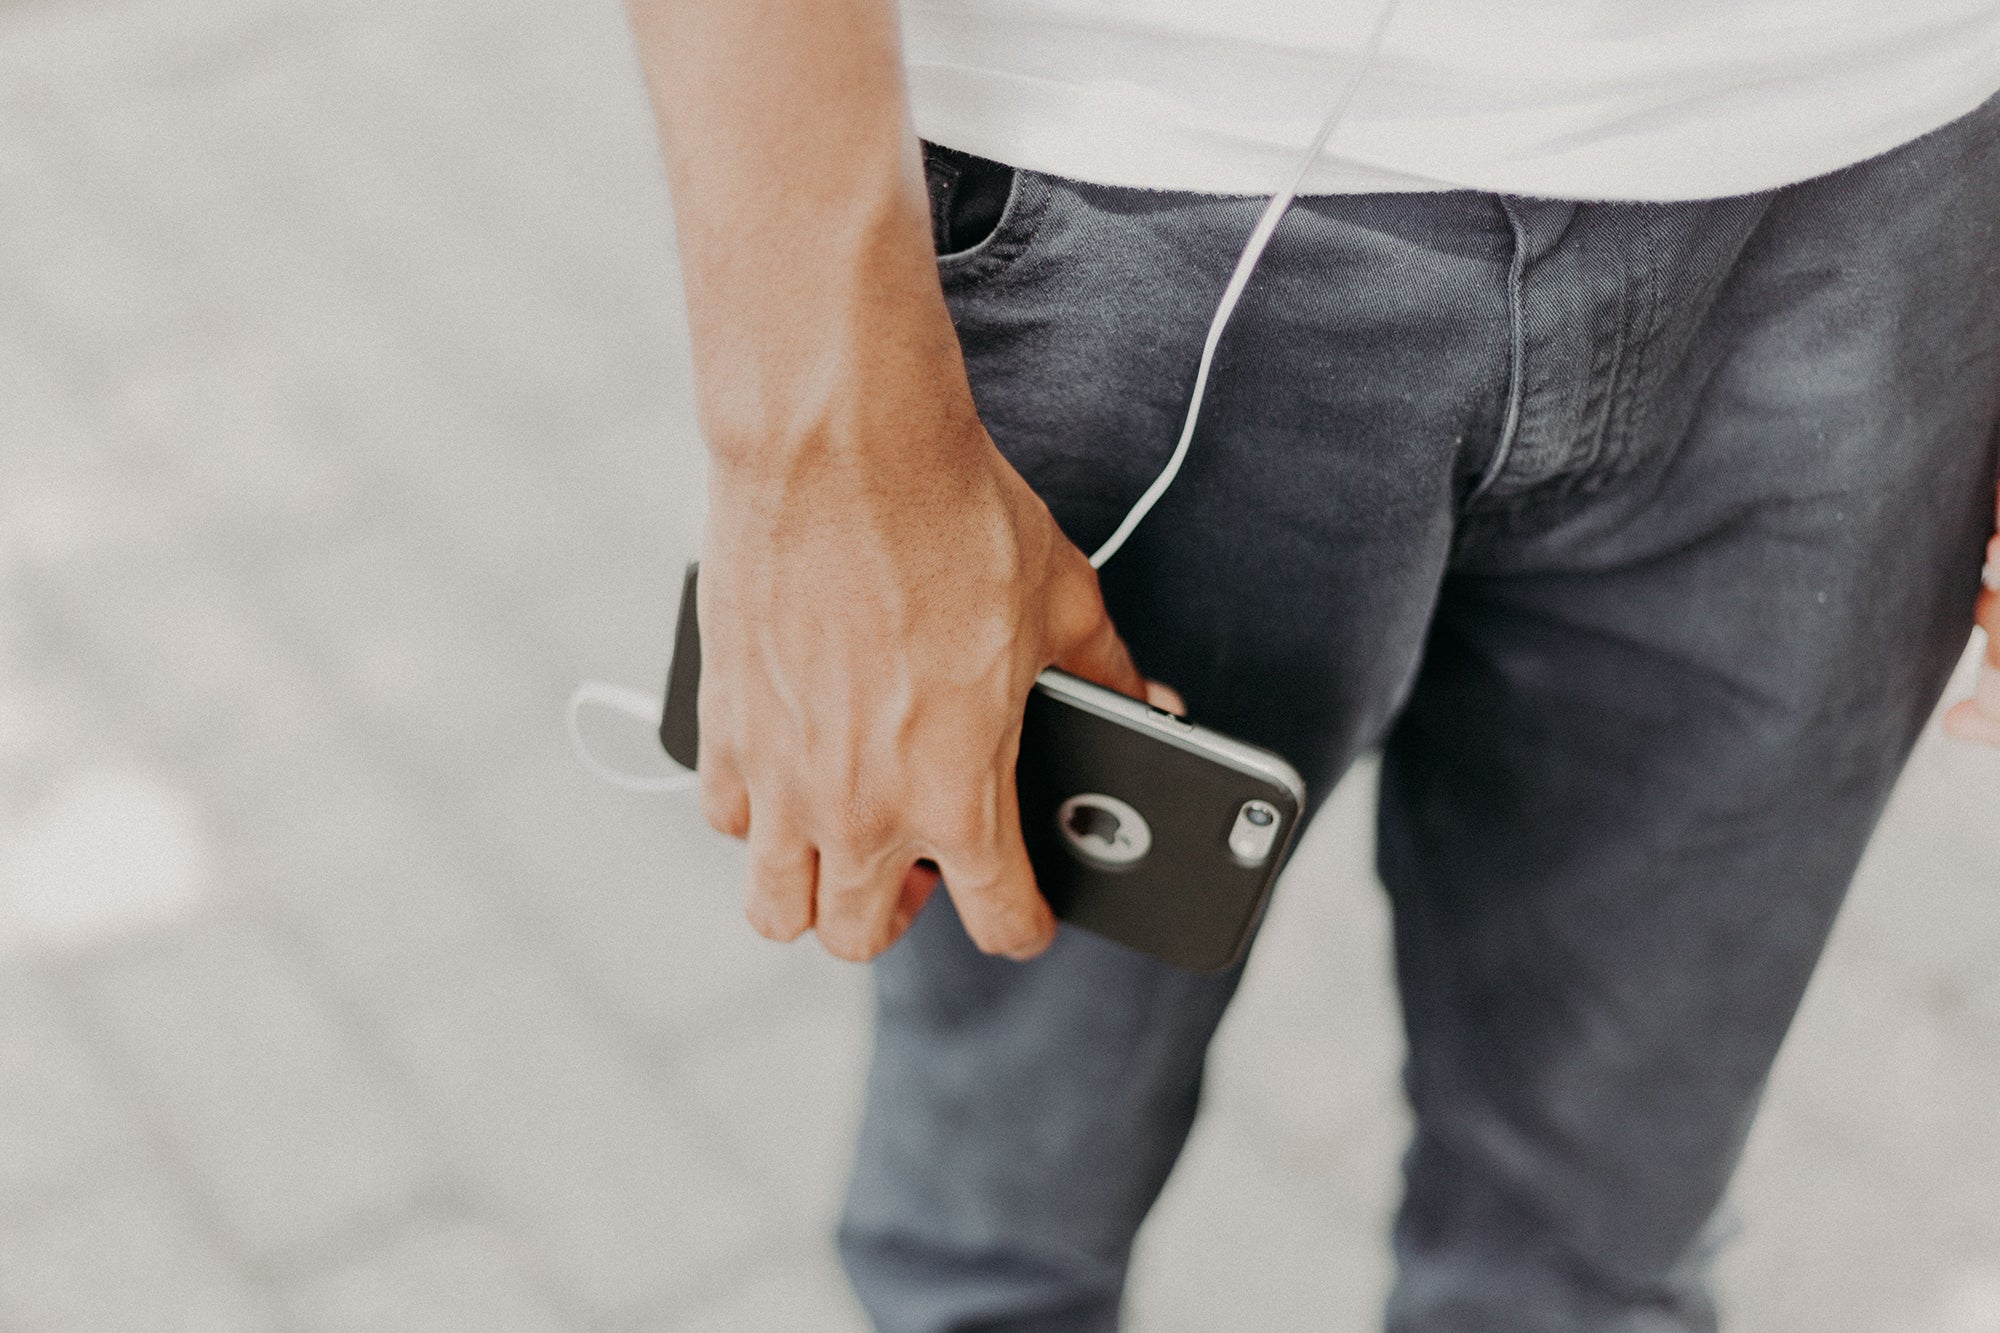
{"points": [[1641, 538]]}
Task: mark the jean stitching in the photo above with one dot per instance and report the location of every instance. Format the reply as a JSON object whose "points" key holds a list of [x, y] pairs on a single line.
{"points": [[1617, 453], [978, 247], [1607, 408], [1026, 196], [1631, 395], [1516, 353], [941, 182]]}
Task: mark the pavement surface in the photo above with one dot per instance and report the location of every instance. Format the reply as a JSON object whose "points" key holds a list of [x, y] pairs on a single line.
{"points": [[344, 426]]}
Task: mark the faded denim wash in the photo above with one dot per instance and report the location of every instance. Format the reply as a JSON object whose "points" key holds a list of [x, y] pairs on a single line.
{"points": [[1640, 537]]}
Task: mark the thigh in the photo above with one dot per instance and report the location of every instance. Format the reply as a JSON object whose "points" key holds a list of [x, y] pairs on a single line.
{"points": [[1284, 583], [1658, 718], [1021, 1118]]}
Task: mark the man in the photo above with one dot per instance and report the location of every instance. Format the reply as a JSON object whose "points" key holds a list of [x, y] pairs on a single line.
{"points": [[1641, 535]]}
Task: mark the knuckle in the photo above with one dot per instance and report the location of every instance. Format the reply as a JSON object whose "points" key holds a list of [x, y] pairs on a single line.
{"points": [[962, 823], [774, 867], [778, 867], [863, 822], [848, 815], [842, 895]]}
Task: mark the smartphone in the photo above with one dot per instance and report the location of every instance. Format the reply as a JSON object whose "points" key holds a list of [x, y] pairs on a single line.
{"points": [[1141, 826]]}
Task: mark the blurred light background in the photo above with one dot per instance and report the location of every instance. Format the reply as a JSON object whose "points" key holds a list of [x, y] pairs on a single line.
{"points": [[344, 426]]}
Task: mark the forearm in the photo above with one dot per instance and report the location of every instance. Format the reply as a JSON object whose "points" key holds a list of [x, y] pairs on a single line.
{"points": [[879, 586], [801, 215]]}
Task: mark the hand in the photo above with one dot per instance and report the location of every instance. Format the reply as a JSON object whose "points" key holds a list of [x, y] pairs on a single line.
{"points": [[871, 625], [1978, 718], [879, 588]]}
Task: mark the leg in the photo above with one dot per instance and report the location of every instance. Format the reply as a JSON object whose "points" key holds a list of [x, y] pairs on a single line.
{"points": [[1021, 1121], [1022, 1118], [1663, 704]]}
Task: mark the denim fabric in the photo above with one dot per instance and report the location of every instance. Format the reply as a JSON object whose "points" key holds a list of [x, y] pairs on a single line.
{"points": [[1641, 538]]}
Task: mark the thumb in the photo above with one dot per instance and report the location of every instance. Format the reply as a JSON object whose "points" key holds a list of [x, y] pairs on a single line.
{"points": [[1080, 632], [1101, 657]]}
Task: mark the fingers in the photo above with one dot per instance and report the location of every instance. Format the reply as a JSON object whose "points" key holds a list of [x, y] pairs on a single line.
{"points": [[1978, 718], [1080, 633], [725, 800], [993, 886], [1101, 656], [859, 901], [919, 882], [784, 875], [1086, 643], [1986, 694], [1969, 721], [857, 905], [1987, 613]]}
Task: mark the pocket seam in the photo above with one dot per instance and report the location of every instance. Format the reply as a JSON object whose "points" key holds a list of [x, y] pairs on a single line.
{"points": [[1027, 193]]}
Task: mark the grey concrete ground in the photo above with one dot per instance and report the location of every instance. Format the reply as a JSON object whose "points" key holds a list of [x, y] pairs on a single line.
{"points": [[343, 426]]}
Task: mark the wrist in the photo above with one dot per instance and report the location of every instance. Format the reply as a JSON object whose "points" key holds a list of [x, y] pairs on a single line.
{"points": [[923, 452], [873, 395]]}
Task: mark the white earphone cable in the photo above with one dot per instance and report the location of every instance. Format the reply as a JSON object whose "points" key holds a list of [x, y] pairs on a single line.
{"points": [[632, 703], [1253, 250]]}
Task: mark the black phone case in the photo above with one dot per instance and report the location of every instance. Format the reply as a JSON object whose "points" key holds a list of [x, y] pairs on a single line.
{"points": [[1190, 901]]}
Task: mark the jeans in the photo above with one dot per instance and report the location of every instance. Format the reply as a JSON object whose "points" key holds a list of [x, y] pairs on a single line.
{"points": [[1641, 538]]}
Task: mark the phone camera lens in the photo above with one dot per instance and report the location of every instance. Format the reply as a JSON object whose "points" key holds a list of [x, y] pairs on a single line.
{"points": [[1254, 836]]}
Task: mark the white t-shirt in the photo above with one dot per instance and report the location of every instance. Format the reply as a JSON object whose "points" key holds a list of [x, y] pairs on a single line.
{"points": [[1581, 99]]}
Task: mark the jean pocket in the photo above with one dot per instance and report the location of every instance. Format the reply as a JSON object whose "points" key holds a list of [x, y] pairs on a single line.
{"points": [[982, 212]]}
